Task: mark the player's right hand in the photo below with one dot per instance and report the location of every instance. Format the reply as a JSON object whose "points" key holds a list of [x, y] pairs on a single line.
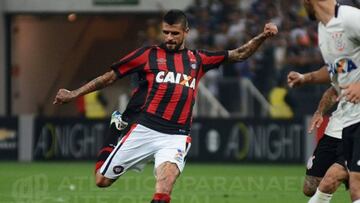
{"points": [[295, 79], [270, 30], [316, 121], [63, 96]]}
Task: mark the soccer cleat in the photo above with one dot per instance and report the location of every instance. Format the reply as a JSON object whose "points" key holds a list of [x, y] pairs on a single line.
{"points": [[117, 120]]}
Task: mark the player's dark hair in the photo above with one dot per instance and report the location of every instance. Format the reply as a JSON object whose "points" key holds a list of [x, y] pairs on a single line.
{"points": [[357, 3], [176, 16]]}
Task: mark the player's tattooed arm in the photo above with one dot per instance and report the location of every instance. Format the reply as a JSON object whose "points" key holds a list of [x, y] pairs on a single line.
{"points": [[64, 95], [328, 100], [246, 50], [96, 84]]}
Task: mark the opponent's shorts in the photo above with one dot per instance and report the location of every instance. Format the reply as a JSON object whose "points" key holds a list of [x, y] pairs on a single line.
{"points": [[328, 151], [351, 142], [141, 145]]}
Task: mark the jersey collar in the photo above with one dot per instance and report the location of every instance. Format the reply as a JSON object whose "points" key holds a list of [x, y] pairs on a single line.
{"points": [[337, 6]]}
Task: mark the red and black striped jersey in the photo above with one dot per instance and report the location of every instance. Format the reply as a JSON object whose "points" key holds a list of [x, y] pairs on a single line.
{"points": [[172, 79], [138, 97]]}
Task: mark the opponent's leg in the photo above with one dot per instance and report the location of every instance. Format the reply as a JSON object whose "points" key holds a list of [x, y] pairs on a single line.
{"points": [[325, 155], [355, 186], [166, 175], [320, 197], [310, 185], [333, 178], [351, 143]]}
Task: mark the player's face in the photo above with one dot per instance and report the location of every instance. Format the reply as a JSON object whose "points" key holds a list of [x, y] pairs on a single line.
{"points": [[310, 10], [174, 36]]}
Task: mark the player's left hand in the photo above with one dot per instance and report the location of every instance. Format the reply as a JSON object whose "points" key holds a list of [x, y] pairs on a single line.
{"points": [[270, 30], [316, 121], [350, 92]]}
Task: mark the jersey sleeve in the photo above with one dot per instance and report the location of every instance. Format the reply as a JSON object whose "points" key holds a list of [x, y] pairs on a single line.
{"points": [[212, 59], [133, 62], [351, 22]]}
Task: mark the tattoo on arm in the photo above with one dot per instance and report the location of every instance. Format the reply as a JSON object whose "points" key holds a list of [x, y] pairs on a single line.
{"points": [[97, 83], [246, 50], [327, 100]]}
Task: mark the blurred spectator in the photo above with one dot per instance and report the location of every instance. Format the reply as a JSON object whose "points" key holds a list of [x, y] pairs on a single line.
{"points": [[95, 104], [281, 101]]}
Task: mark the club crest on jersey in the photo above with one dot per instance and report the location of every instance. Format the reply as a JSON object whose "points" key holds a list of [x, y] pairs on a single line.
{"points": [[175, 78], [343, 65], [339, 41], [193, 65]]}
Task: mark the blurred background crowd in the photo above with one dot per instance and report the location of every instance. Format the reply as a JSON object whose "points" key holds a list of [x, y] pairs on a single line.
{"points": [[227, 24]]}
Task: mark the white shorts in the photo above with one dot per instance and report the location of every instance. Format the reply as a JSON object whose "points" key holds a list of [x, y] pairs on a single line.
{"points": [[141, 145]]}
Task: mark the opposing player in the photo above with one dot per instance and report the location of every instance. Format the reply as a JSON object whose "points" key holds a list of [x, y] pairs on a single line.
{"points": [[162, 129], [339, 43], [326, 168]]}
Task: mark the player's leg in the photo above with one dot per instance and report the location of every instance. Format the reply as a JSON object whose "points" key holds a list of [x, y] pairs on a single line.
{"points": [[333, 178], [354, 163], [351, 144], [310, 185], [355, 186], [130, 153], [102, 181], [169, 163], [117, 125], [325, 155], [166, 175]]}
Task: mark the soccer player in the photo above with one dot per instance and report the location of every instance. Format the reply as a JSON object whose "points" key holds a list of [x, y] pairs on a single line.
{"points": [[326, 168], [162, 129], [339, 42]]}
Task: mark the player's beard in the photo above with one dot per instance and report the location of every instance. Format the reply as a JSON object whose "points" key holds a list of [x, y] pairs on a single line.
{"points": [[175, 49]]}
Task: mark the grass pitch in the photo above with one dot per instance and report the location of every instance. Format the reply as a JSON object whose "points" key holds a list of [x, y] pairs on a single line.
{"points": [[73, 182]]}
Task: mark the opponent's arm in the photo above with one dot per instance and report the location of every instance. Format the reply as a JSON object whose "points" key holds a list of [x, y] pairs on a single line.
{"points": [[316, 77], [64, 95], [246, 50], [327, 101]]}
